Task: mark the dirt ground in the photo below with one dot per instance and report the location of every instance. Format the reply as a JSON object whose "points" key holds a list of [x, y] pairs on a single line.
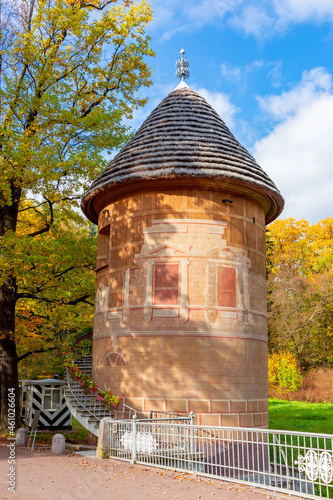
{"points": [[41, 475]]}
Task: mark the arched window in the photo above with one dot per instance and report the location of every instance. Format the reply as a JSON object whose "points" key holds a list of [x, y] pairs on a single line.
{"points": [[114, 359]]}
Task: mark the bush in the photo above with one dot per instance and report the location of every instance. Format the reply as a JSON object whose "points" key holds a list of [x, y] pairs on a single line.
{"points": [[283, 372]]}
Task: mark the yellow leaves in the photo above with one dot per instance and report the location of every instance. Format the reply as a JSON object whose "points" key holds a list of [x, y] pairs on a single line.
{"points": [[301, 288], [283, 372], [329, 331], [68, 81], [300, 246]]}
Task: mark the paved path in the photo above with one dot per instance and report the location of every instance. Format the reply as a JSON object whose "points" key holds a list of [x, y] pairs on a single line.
{"points": [[43, 476]]}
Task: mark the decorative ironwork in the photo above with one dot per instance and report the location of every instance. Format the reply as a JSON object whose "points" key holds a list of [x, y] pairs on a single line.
{"points": [[182, 66], [325, 467], [127, 441], [316, 465], [145, 442], [308, 464]]}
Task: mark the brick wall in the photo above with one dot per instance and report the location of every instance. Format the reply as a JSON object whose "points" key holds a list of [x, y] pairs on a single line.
{"points": [[182, 297]]}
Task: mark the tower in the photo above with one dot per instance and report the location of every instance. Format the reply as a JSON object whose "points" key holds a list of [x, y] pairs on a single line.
{"points": [[180, 311]]}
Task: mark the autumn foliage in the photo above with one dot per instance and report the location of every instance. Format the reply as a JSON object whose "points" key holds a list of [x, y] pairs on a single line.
{"points": [[283, 372], [300, 285], [70, 73]]}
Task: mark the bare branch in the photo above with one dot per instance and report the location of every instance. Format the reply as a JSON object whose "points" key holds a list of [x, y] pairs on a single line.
{"points": [[47, 225]]}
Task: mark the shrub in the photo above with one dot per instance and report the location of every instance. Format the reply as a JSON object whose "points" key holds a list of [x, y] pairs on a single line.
{"points": [[283, 372]]}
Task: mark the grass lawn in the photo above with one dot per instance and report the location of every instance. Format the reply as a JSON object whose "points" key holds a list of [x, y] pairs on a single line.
{"points": [[78, 435], [300, 416]]}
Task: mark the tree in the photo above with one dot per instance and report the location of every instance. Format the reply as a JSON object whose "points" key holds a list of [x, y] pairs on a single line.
{"points": [[301, 285], [70, 72], [56, 284]]}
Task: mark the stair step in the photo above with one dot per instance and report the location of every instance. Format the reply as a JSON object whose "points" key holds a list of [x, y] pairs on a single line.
{"points": [[95, 412], [91, 411], [83, 411]]}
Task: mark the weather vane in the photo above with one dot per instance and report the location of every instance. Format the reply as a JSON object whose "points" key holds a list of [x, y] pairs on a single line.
{"points": [[182, 67]]}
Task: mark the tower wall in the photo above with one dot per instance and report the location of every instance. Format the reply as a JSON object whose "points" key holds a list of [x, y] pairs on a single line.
{"points": [[180, 315]]}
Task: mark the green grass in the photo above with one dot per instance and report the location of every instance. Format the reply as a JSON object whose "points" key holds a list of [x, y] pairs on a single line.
{"points": [[79, 435], [300, 416]]}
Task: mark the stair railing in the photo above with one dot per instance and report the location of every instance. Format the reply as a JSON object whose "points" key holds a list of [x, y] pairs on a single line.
{"points": [[83, 345], [90, 403]]}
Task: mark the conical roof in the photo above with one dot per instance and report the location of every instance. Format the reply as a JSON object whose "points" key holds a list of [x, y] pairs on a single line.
{"points": [[184, 138]]}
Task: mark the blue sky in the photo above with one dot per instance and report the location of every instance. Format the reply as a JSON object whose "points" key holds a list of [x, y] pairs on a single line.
{"points": [[266, 67]]}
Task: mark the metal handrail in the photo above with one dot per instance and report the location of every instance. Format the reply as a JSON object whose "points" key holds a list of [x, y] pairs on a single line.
{"points": [[80, 392], [80, 350], [97, 404]]}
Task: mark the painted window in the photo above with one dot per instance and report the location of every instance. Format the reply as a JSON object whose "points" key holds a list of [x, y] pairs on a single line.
{"points": [[227, 287], [114, 359], [103, 247], [52, 399], [166, 279]]}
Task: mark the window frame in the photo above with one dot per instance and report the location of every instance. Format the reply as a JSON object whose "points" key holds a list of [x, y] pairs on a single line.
{"points": [[52, 390], [103, 247], [166, 288]]}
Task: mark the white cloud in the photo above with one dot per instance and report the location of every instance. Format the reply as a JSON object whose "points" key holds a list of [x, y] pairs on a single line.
{"points": [[298, 153], [260, 18], [276, 73], [239, 74], [313, 83], [303, 10], [253, 20], [221, 103], [263, 18], [172, 16], [205, 11]]}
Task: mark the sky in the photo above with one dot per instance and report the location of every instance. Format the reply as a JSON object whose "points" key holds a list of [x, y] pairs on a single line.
{"points": [[266, 67]]}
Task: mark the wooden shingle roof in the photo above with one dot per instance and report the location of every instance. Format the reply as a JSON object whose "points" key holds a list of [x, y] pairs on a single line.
{"points": [[183, 138]]}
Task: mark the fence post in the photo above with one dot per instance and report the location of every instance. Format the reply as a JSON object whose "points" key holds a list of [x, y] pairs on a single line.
{"points": [[104, 438], [191, 416], [133, 460]]}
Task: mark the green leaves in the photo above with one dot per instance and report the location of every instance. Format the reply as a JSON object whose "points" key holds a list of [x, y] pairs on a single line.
{"points": [[70, 72], [67, 83], [54, 273]]}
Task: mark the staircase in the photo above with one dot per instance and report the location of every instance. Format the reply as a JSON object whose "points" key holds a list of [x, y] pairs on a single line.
{"points": [[85, 407]]}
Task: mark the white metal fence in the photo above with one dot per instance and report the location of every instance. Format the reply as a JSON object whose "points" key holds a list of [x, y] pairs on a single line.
{"points": [[290, 462]]}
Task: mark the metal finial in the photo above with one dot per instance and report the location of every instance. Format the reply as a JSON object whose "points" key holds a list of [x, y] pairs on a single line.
{"points": [[182, 67]]}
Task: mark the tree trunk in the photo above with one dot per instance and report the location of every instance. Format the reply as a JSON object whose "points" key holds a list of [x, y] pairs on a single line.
{"points": [[8, 357], [8, 293]]}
